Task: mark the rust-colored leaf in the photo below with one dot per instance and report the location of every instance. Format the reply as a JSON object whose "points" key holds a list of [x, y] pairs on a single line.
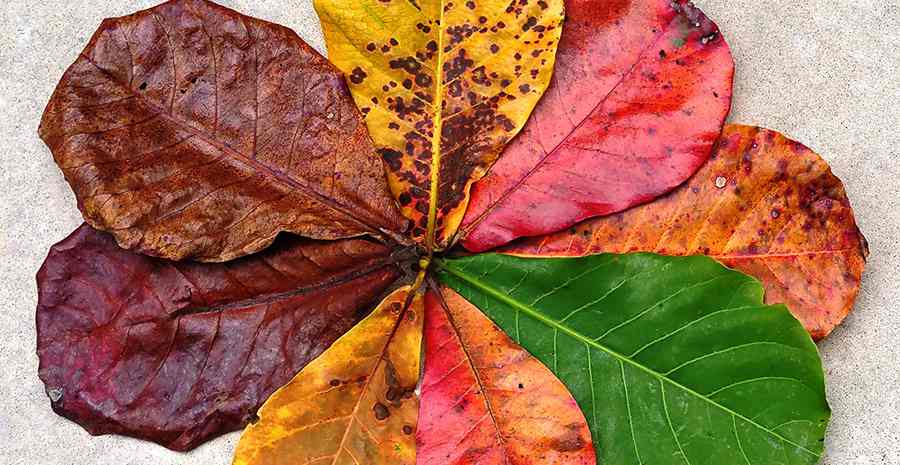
{"points": [[639, 95], [444, 86], [355, 404], [192, 131], [487, 401], [177, 353], [763, 204]]}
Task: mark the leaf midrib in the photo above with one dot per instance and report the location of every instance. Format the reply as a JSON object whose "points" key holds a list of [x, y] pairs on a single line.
{"points": [[591, 343], [436, 136]]}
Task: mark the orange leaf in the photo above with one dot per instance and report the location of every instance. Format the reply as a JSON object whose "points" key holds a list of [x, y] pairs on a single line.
{"points": [[485, 400], [763, 204]]}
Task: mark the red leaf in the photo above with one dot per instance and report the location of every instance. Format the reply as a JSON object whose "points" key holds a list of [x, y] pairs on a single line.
{"points": [[192, 131], [638, 97], [763, 204], [487, 401], [177, 353]]}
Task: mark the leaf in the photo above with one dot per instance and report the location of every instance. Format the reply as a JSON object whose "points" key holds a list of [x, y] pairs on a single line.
{"points": [[354, 404], [191, 131], [444, 86], [177, 353], [763, 204], [485, 400], [674, 360], [639, 95]]}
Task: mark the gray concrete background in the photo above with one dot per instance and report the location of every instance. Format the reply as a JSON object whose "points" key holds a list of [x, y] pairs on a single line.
{"points": [[826, 72]]}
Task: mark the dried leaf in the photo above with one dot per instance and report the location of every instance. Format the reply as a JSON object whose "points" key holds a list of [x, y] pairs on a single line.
{"points": [[763, 204], [444, 86], [639, 95], [674, 360], [354, 404], [191, 131], [485, 400], [178, 353]]}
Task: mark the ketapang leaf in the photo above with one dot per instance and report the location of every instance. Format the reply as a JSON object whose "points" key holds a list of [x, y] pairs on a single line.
{"points": [[674, 360], [177, 353], [444, 86], [355, 404], [487, 401], [763, 204], [639, 95], [192, 131]]}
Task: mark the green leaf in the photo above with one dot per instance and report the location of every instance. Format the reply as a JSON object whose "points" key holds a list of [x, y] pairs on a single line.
{"points": [[674, 360]]}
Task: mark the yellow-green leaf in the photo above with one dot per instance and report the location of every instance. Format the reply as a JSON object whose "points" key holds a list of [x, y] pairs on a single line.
{"points": [[354, 404], [444, 85]]}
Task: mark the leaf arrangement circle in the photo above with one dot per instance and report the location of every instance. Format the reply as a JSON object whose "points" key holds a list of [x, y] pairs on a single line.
{"points": [[297, 246]]}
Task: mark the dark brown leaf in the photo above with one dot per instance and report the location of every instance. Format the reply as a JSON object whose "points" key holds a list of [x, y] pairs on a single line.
{"points": [[191, 131], [178, 353]]}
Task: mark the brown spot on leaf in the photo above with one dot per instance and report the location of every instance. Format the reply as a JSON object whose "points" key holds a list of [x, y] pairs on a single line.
{"points": [[408, 64], [455, 89], [457, 66], [393, 158], [381, 411], [358, 75], [529, 23], [569, 441], [423, 80]]}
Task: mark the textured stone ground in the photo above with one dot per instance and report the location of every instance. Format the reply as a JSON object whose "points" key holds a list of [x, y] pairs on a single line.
{"points": [[826, 72]]}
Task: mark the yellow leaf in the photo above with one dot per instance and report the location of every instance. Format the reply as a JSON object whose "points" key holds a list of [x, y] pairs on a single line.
{"points": [[355, 404], [494, 58]]}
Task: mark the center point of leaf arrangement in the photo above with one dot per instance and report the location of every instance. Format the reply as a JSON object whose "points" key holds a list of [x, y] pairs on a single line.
{"points": [[424, 264]]}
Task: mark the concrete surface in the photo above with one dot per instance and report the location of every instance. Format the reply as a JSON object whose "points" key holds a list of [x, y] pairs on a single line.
{"points": [[826, 72]]}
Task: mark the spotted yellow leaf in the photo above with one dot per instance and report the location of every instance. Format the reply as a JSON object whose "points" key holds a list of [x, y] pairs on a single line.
{"points": [[444, 85], [355, 404]]}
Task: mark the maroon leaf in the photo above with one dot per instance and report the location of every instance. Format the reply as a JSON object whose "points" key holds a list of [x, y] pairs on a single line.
{"points": [[640, 92], [192, 131], [178, 353]]}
